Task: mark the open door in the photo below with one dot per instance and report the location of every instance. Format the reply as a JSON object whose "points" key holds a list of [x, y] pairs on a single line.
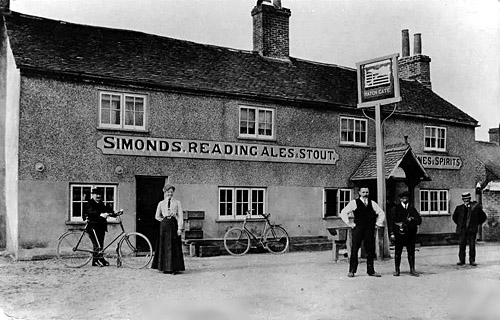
{"points": [[148, 192]]}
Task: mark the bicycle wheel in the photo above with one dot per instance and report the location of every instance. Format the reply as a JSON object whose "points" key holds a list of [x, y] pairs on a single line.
{"points": [[70, 254], [276, 240], [135, 250], [237, 241]]}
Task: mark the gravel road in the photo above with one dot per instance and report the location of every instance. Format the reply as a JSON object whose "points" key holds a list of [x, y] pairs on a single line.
{"points": [[297, 285]]}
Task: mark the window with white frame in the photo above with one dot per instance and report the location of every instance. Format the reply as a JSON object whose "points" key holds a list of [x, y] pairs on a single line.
{"points": [[435, 138], [353, 131], [80, 195], [335, 200], [235, 202], [122, 111], [434, 201], [257, 123]]}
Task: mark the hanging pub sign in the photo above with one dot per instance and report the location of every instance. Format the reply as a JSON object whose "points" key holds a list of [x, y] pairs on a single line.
{"points": [[378, 81]]}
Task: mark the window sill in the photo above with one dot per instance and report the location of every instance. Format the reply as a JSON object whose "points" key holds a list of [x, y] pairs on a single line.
{"points": [[82, 223], [332, 218], [239, 220], [257, 139], [351, 145], [435, 214], [75, 223], [436, 151], [123, 130]]}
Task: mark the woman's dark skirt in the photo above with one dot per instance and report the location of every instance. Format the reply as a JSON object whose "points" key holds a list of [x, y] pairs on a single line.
{"points": [[168, 252]]}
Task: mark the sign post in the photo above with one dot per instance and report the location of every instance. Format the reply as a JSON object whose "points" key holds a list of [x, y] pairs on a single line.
{"points": [[378, 84], [380, 248]]}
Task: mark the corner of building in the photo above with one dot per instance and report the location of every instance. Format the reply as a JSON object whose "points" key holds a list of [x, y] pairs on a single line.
{"points": [[9, 135]]}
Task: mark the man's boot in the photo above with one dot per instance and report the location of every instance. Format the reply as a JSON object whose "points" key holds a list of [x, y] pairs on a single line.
{"points": [[397, 263], [101, 259], [411, 261], [96, 262]]}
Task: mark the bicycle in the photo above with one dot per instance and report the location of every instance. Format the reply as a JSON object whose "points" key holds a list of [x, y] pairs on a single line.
{"points": [[274, 238], [75, 248]]}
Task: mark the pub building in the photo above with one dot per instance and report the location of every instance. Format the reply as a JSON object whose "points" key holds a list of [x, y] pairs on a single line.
{"points": [[123, 111]]}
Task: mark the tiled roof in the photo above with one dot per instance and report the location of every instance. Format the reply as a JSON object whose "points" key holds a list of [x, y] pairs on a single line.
{"points": [[56, 47], [489, 154], [393, 156]]}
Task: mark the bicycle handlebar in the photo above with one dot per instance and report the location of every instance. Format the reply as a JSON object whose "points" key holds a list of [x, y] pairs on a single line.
{"points": [[111, 215], [249, 213], [116, 213]]}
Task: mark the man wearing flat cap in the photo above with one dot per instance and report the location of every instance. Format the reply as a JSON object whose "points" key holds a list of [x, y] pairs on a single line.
{"points": [[404, 227], [468, 217]]}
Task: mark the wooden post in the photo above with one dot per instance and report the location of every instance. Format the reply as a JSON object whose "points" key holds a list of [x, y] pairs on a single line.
{"points": [[381, 238]]}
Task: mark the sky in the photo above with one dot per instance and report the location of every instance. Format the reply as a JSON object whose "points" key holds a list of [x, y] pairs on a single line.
{"points": [[462, 37]]}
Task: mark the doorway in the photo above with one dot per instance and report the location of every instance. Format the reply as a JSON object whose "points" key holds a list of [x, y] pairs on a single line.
{"points": [[148, 193]]}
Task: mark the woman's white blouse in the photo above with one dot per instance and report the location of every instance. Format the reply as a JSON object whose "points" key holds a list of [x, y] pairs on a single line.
{"points": [[175, 210]]}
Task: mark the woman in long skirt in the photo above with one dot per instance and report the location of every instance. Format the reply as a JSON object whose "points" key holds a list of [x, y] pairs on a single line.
{"points": [[168, 256]]}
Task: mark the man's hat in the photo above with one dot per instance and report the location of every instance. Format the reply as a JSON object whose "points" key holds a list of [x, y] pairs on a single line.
{"points": [[466, 195], [404, 194], [95, 191]]}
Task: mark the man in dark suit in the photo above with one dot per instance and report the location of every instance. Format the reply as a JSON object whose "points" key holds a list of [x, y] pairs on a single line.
{"points": [[468, 217], [403, 229], [96, 213]]}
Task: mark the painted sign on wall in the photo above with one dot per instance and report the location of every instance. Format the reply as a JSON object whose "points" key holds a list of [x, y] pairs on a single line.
{"points": [[440, 162], [159, 147]]}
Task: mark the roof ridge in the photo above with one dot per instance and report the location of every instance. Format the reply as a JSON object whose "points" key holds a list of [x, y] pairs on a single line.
{"points": [[24, 15], [398, 146], [324, 64]]}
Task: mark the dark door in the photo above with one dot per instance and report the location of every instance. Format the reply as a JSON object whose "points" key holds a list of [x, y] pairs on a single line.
{"points": [[149, 193]]}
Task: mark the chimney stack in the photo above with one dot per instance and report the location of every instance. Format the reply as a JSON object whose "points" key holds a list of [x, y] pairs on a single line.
{"points": [[271, 29], [406, 43], [495, 135], [417, 44], [416, 67]]}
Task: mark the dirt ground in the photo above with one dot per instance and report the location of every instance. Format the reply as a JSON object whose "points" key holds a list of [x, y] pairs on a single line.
{"points": [[297, 285]]}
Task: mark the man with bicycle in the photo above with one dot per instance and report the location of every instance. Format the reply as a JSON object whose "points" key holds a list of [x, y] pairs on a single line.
{"points": [[96, 213]]}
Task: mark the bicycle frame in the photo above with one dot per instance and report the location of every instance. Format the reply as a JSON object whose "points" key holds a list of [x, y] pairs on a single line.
{"points": [[239, 239], [84, 230], [267, 225]]}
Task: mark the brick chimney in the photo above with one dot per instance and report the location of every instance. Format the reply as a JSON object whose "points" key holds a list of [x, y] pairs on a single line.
{"points": [[4, 6], [495, 135], [416, 67], [271, 29]]}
